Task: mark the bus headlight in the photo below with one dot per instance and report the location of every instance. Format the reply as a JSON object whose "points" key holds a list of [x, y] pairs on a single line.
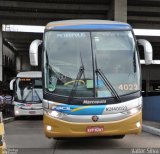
{"points": [[55, 114], [133, 110], [16, 112]]}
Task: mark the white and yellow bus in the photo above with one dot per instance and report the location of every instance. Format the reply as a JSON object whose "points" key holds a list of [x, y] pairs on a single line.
{"points": [[2, 136], [27, 93], [92, 78]]}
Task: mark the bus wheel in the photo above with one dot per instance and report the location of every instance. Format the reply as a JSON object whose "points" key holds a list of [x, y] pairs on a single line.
{"points": [[59, 138], [118, 136], [17, 118]]}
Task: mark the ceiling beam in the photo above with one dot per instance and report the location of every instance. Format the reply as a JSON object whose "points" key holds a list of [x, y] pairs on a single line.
{"points": [[144, 2], [149, 25], [41, 15], [21, 35], [144, 19], [52, 6], [154, 39], [23, 49], [141, 9], [18, 41], [68, 1], [11, 47], [14, 21], [21, 45]]}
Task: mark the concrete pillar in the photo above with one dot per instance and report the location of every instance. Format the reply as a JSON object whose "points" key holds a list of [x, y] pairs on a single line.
{"points": [[118, 10], [1, 54]]}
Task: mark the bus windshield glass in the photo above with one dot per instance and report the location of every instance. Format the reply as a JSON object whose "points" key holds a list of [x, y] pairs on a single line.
{"points": [[28, 90], [72, 58]]}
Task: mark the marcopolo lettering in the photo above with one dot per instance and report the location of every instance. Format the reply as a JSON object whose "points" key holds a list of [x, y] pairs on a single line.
{"points": [[94, 101]]}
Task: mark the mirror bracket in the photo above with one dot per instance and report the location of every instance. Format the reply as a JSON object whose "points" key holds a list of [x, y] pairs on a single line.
{"points": [[33, 52]]}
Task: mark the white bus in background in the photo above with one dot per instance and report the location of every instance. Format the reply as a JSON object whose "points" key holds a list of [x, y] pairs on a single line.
{"points": [[27, 93]]}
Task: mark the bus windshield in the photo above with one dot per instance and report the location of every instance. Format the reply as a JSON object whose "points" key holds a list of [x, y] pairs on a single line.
{"points": [[28, 90], [72, 58]]}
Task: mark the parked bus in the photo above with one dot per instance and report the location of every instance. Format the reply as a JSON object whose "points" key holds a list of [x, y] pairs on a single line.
{"points": [[92, 78], [27, 93]]}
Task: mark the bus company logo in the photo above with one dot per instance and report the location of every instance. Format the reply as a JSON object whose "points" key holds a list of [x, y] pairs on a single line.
{"points": [[94, 101], [62, 108], [95, 118]]}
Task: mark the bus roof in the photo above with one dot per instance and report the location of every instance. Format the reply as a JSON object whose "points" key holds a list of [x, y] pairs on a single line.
{"points": [[87, 25], [30, 74]]}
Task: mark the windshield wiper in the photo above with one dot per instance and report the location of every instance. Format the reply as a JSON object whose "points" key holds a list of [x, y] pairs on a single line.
{"points": [[79, 75], [37, 95], [75, 85], [27, 96], [108, 84]]}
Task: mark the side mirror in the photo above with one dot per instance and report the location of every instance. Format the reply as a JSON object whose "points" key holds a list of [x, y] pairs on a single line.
{"points": [[33, 52], [148, 51], [11, 84]]}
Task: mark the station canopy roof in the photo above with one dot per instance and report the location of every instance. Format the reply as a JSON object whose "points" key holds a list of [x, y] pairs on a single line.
{"points": [[140, 14]]}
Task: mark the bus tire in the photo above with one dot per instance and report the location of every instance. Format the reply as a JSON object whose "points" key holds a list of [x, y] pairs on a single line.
{"points": [[17, 117], [61, 138], [118, 136], [56, 138]]}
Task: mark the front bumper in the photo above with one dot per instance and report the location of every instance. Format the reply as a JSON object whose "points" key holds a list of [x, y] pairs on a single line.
{"points": [[66, 129], [3, 144], [3, 149], [22, 112]]}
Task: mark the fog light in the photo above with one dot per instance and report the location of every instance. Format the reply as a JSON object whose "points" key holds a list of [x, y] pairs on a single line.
{"points": [[138, 124], [49, 128], [16, 112]]}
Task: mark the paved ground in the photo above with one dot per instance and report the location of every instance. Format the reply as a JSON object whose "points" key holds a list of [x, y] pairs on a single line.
{"points": [[27, 137], [152, 124]]}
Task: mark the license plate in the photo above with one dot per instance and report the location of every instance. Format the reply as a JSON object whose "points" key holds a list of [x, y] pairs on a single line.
{"points": [[94, 129], [32, 112]]}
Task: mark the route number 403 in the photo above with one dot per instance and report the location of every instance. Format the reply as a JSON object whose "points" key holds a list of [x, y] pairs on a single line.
{"points": [[128, 87]]}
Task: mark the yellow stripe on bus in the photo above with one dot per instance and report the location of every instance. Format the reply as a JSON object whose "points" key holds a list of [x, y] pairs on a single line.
{"points": [[80, 108]]}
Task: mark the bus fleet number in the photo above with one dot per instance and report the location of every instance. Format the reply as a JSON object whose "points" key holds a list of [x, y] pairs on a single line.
{"points": [[128, 87]]}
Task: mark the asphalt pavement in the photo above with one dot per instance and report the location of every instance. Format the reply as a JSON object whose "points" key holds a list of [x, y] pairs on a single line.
{"points": [[26, 136]]}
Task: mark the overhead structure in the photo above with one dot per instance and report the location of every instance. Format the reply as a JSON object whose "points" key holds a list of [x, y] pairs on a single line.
{"points": [[138, 13]]}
